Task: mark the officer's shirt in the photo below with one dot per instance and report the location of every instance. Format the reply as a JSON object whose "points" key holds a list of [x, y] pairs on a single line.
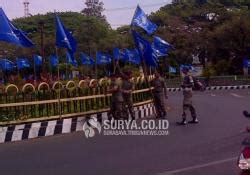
{"points": [[116, 95], [158, 85]]}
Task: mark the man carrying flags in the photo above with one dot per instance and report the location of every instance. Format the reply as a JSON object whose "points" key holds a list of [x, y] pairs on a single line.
{"points": [[116, 105], [127, 89], [159, 95]]}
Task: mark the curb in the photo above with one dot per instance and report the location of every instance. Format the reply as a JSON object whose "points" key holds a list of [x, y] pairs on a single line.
{"points": [[60, 126], [215, 88]]}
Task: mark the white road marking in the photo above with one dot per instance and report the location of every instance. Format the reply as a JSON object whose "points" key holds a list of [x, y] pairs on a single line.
{"points": [[236, 95], [199, 166], [213, 95]]}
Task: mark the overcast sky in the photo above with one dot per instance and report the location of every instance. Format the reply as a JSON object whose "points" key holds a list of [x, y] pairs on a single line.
{"points": [[116, 17]]}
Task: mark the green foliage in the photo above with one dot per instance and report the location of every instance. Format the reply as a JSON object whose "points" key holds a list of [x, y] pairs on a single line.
{"points": [[94, 8], [217, 31]]}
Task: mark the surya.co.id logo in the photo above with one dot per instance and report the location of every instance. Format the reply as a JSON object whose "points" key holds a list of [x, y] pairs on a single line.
{"points": [[90, 126]]}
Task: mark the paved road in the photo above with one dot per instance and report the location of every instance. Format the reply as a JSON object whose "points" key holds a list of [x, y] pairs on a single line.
{"points": [[210, 148]]}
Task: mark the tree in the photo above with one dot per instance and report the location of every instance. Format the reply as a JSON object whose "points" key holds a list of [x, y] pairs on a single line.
{"points": [[94, 8]]}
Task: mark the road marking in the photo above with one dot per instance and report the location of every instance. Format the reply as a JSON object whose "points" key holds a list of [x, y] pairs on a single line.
{"points": [[198, 166], [213, 95], [236, 95]]}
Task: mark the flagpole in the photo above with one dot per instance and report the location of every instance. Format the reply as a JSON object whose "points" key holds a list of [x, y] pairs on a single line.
{"points": [[59, 92], [51, 69], [96, 65], [117, 64], [58, 76], [34, 67]]}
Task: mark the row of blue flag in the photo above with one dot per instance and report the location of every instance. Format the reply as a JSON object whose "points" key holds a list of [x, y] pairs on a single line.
{"points": [[145, 51], [21, 63]]}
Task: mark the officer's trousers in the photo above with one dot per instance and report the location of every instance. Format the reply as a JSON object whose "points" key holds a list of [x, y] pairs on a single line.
{"points": [[187, 107], [128, 104], [159, 103]]}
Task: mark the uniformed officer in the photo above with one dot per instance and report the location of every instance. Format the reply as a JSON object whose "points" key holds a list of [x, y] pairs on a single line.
{"points": [[159, 95], [116, 105], [187, 85], [127, 89]]}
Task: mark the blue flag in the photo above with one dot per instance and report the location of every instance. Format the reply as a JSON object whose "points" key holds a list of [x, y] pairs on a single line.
{"points": [[38, 60], [145, 50], [9, 33], [54, 61], [22, 63], [64, 38], [172, 69], [70, 59], [140, 19], [87, 60], [246, 62], [160, 47], [132, 56], [102, 58], [118, 54], [6, 65]]}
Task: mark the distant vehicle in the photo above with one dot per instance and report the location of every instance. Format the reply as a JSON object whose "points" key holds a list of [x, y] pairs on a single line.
{"points": [[244, 158], [198, 86]]}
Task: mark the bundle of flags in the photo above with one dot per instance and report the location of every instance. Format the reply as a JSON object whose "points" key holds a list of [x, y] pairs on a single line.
{"points": [[147, 51]]}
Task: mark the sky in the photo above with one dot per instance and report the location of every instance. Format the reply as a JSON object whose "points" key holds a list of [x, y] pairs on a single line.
{"points": [[115, 16]]}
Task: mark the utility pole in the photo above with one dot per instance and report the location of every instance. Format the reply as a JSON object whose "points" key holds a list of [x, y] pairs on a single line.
{"points": [[26, 8]]}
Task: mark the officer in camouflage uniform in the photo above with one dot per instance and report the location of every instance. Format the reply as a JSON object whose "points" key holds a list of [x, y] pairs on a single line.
{"points": [[159, 95], [116, 105], [187, 85], [127, 89]]}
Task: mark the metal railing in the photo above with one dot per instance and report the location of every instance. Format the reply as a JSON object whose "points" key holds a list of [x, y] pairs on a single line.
{"points": [[45, 103], [42, 101], [175, 82]]}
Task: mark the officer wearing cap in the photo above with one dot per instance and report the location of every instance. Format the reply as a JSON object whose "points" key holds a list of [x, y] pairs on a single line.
{"points": [[187, 85], [116, 105], [159, 95], [127, 89]]}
